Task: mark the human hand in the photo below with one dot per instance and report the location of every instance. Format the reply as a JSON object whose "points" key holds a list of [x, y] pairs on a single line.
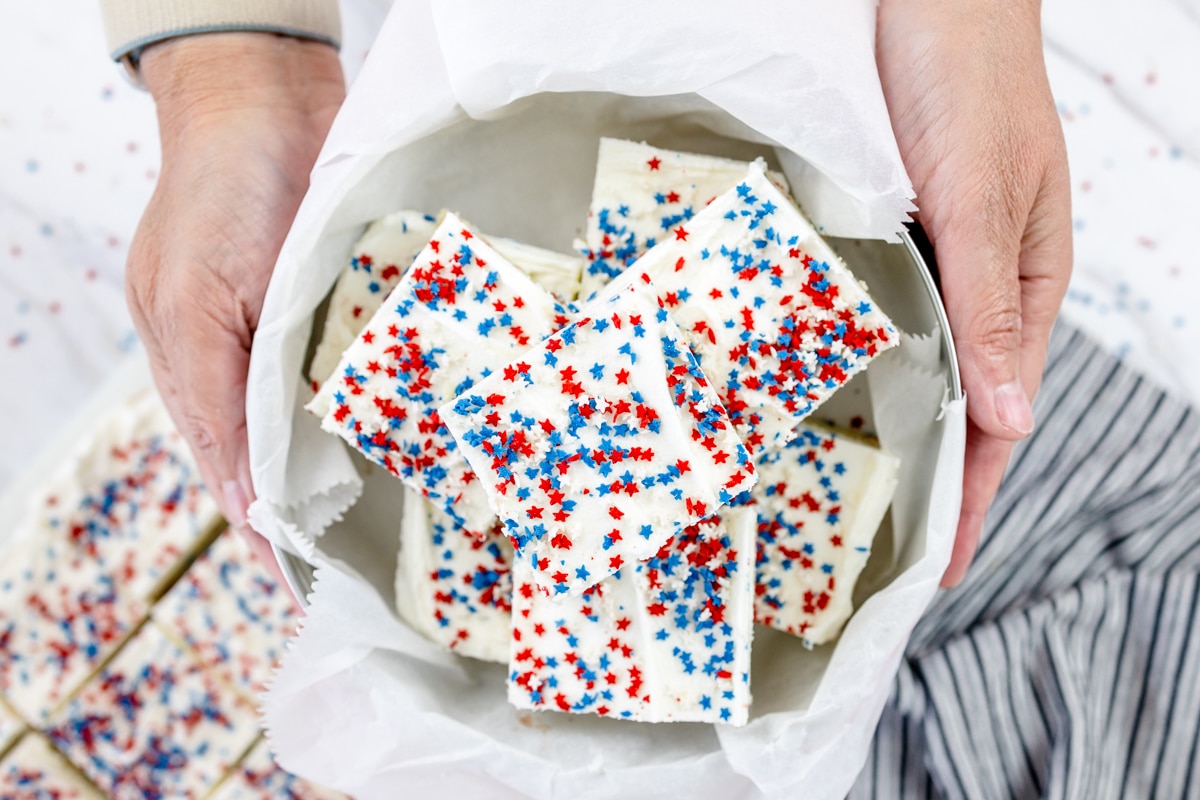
{"points": [[966, 88], [242, 117]]}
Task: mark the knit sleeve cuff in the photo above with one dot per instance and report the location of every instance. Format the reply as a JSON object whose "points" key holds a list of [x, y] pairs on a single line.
{"points": [[130, 25]]}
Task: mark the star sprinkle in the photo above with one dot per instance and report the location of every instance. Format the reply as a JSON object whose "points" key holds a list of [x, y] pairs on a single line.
{"points": [[60, 616], [663, 640], [451, 586], [458, 313], [232, 613], [153, 724], [380, 257], [774, 317], [33, 771], [601, 443], [643, 193], [820, 501], [259, 778]]}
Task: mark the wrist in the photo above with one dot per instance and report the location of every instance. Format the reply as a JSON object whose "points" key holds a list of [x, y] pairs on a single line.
{"points": [[204, 79]]}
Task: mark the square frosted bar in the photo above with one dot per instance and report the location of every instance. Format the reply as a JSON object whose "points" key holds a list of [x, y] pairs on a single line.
{"points": [[774, 317], [451, 586], [600, 444], [459, 312], [820, 501], [154, 723], [131, 498], [232, 612], [667, 639], [61, 615]]}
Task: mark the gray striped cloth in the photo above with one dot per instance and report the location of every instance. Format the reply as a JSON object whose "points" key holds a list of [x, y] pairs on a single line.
{"points": [[1067, 664]]}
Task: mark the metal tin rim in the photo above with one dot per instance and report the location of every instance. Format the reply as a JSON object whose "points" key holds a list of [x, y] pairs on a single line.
{"points": [[935, 296], [299, 574]]}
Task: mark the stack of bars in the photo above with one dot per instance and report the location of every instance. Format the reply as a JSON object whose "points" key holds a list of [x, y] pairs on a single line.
{"points": [[610, 477], [134, 634]]}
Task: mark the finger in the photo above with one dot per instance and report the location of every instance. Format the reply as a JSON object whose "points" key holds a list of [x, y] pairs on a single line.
{"points": [[260, 546], [230, 495], [977, 253], [1045, 267], [983, 469], [206, 363]]}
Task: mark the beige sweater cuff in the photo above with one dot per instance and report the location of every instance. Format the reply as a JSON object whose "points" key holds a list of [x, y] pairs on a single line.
{"points": [[132, 24]]}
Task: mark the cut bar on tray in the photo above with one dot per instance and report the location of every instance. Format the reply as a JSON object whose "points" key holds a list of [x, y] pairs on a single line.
{"points": [[154, 724], [61, 615], [131, 498], [232, 612]]}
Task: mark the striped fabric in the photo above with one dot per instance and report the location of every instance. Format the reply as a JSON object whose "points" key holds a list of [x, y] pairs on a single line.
{"points": [[1067, 664]]}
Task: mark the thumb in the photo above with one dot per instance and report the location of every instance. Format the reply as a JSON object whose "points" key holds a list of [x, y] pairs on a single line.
{"points": [[203, 382], [982, 288], [212, 418]]}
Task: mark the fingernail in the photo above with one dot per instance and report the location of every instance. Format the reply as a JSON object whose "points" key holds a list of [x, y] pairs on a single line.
{"points": [[1013, 409], [235, 503]]}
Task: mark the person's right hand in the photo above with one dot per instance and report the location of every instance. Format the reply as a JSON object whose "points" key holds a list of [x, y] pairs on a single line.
{"points": [[966, 88], [242, 117]]}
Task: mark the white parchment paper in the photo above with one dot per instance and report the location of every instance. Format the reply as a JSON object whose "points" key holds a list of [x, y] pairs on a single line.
{"points": [[494, 112]]}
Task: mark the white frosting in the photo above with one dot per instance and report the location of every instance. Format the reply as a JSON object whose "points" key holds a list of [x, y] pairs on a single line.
{"points": [[642, 192], [664, 640], [32, 771], [601, 443], [451, 587], [61, 614], [10, 726], [820, 501], [377, 261], [130, 497], [459, 312]]}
